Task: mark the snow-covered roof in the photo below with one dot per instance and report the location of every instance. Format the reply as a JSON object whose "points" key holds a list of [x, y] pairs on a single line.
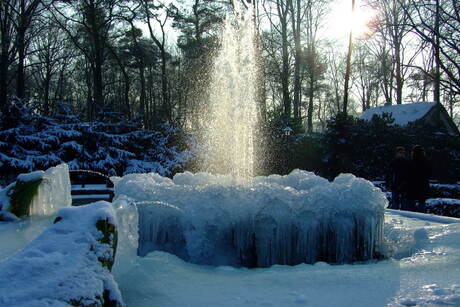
{"points": [[402, 113]]}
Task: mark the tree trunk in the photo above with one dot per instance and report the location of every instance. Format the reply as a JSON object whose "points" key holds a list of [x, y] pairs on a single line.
{"points": [[398, 72], [46, 89], [4, 73], [296, 18], [98, 86], [20, 79], [310, 104], [437, 60], [142, 94], [348, 68], [285, 71], [164, 86]]}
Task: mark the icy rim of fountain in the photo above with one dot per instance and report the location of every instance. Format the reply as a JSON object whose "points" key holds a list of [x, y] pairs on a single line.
{"points": [[300, 217]]}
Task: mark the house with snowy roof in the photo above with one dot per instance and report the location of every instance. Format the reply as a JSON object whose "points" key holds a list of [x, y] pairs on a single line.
{"points": [[431, 114]]}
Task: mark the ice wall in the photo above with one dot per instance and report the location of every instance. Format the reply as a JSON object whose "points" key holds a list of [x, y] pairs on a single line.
{"points": [[54, 192], [301, 217]]}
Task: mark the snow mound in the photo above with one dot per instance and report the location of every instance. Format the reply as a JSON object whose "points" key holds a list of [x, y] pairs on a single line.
{"points": [[61, 265], [300, 217]]}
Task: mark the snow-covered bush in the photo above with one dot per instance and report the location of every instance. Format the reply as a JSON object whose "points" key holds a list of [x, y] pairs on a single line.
{"points": [[443, 206], [31, 141]]}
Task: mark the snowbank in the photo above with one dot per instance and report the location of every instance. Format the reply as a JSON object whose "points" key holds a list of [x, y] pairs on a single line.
{"points": [[207, 219], [67, 263]]}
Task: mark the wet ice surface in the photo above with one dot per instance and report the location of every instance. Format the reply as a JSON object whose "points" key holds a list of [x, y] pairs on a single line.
{"points": [[15, 235]]}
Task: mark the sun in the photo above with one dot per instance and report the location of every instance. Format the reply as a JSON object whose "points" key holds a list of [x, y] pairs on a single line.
{"points": [[342, 19]]}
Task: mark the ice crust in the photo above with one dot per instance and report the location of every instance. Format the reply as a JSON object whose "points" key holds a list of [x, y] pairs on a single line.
{"points": [[300, 217]]}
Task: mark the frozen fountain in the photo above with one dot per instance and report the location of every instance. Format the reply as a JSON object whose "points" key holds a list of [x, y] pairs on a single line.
{"points": [[225, 215]]}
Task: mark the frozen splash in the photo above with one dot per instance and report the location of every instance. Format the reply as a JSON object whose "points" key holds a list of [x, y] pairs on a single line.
{"points": [[298, 218], [232, 113]]}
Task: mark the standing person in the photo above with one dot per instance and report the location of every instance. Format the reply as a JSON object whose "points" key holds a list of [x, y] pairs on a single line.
{"points": [[397, 179], [419, 179]]}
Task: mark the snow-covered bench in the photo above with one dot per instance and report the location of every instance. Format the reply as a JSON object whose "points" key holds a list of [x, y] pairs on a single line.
{"points": [[69, 263], [89, 186]]}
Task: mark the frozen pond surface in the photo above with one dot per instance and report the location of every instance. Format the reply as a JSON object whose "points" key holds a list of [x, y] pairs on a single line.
{"points": [[15, 235], [425, 272]]}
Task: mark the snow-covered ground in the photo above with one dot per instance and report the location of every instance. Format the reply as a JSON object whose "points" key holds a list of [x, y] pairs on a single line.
{"points": [[422, 268], [425, 272]]}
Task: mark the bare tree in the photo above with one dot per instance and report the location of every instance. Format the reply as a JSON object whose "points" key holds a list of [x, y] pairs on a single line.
{"points": [[438, 23], [393, 16], [88, 26]]}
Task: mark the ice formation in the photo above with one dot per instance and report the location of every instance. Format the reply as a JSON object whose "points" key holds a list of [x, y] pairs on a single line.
{"points": [[301, 217], [53, 193]]}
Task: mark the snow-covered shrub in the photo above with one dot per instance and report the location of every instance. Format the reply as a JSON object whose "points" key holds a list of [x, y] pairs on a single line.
{"points": [[30, 141], [443, 206]]}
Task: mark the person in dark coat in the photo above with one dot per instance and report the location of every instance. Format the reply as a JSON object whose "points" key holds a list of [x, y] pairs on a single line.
{"points": [[419, 179], [397, 179]]}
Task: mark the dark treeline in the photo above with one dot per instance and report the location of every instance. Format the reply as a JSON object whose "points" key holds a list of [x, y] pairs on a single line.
{"points": [[102, 57], [114, 56]]}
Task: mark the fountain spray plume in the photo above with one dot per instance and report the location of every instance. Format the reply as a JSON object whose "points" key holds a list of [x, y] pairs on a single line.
{"points": [[232, 113]]}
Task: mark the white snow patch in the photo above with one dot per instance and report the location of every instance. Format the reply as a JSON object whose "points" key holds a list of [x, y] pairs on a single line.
{"points": [[402, 113], [31, 176], [433, 202]]}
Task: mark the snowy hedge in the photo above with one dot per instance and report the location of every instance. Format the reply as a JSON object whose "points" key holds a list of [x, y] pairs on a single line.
{"points": [[68, 263], [443, 206], [29, 141]]}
